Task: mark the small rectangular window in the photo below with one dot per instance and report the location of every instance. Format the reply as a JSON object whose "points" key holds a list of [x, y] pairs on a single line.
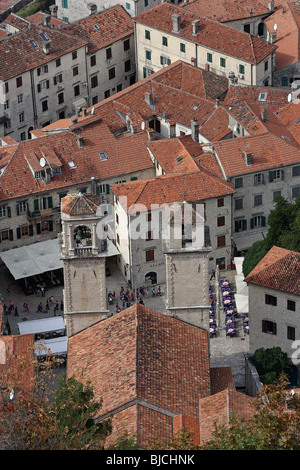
{"points": [[296, 170], [221, 221], [126, 45], [150, 255], [269, 327], [147, 34], [221, 241], [209, 57], [238, 183], [220, 202], [241, 69], [182, 47], [108, 53], [164, 41], [291, 305], [74, 55], [19, 82], [148, 55], [295, 191], [291, 333], [111, 73], [270, 300], [94, 81], [93, 60], [258, 200], [238, 204], [222, 62]]}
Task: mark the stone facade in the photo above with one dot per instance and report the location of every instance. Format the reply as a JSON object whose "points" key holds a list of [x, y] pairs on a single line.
{"points": [[270, 324], [187, 280], [73, 10], [83, 256]]}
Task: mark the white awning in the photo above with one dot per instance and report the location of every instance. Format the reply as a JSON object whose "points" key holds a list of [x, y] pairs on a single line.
{"points": [[44, 325], [244, 242], [33, 259], [242, 303], [55, 346]]}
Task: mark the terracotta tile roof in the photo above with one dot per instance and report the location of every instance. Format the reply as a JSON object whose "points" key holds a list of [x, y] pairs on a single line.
{"points": [[171, 188], [17, 21], [125, 155], [227, 10], [218, 408], [221, 378], [18, 54], [212, 34], [279, 269], [173, 156], [6, 4], [112, 25], [287, 19], [274, 97], [268, 150], [143, 358], [38, 18], [80, 204], [289, 115], [17, 371]]}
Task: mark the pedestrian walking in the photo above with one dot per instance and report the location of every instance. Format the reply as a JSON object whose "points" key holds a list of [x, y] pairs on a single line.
{"points": [[213, 275], [147, 293], [47, 305], [61, 305], [16, 312]]}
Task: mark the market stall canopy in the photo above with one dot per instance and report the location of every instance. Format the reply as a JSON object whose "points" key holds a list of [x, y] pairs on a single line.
{"points": [[44, 325], [54, 346], [242, 303], [33, 259], [39, 258]]}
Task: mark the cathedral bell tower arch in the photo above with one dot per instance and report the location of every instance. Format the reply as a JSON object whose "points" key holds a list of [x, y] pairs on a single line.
{"points": [[83, 255]]}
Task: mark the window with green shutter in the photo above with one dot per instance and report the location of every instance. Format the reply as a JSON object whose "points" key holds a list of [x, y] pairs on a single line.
{"points": [[222, 62], [209, 57], [182, 47]]}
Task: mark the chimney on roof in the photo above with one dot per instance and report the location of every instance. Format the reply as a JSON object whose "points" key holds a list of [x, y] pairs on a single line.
{"points": [[84, 113], [264, 115], [195, 130], [92, 8], [149, 98], [93, 185], [273, 37], [53, 10], [46, 46], [270, 6], [196, 27], [74, 119], [283, 9], [80, 141], [176, 23], [248, 158], [151, 135], [47, 177], [172, 125], [232, 79], [46, 20]]}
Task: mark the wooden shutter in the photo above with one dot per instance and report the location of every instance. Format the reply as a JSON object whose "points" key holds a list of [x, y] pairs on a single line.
{"points": [[31, 230], [18, 232], [50, 204], [11, 235], [36, 205]]}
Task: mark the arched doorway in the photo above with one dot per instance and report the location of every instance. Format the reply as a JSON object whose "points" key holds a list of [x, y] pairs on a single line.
{"points": [[151, 277]]}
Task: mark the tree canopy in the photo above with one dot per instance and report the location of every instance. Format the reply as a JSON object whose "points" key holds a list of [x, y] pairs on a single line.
{"points": [[284, 231]]}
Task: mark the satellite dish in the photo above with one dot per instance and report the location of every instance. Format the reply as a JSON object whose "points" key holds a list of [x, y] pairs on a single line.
{"points": [[143, 125], [289, 97], [42, 162], [275, 27]]}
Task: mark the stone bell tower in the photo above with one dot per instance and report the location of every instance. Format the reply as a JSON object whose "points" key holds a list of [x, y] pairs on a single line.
{"points": [[83, 255], [187, 275]]}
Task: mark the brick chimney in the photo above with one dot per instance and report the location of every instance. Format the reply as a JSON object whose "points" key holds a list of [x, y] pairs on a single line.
{"points": [[196, 27], [176, 23], [195, 130], [53, 10]]}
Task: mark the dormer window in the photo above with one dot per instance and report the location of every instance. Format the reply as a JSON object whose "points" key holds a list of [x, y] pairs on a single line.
{"points": [[103, 156]]}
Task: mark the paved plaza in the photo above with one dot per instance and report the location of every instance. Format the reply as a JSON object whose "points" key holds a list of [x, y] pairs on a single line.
{"points": [[225, 351]]}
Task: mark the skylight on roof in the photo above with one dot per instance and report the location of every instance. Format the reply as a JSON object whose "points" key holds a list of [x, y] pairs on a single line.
{"points": [[33, 43], [44, 36], [103, 156], [262, 97], [71, 164], [298, 120], [96, 27]]}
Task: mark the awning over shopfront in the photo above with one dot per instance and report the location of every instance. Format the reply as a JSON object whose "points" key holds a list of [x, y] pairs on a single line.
{"points": [[41, 326], [54, 346], [33, 259], [39, 258], [244, 242]]}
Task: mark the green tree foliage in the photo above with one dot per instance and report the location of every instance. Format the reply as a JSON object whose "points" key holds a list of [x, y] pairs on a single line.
{"points": [[284, 231], [40, 419], [270, 428], [269, 363]]}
